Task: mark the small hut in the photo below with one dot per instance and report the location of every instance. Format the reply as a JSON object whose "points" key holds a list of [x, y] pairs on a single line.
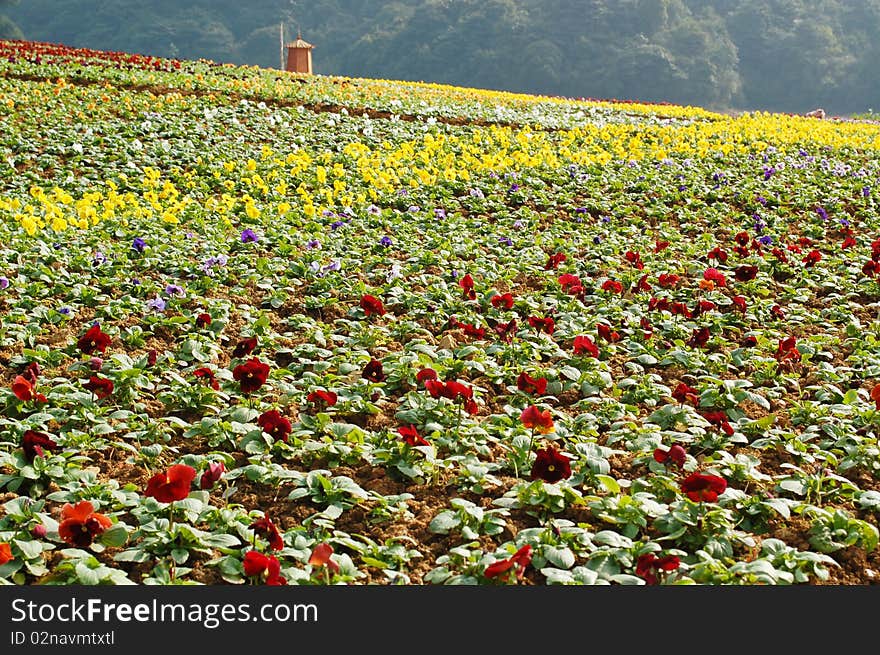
{"points": [[299, 56]]}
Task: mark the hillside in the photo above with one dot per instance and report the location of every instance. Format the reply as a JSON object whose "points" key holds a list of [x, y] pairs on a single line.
{"points": [[267, 329], [784, 55]]}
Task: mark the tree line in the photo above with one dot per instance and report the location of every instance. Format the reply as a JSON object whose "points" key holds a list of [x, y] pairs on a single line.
{"points": [[776, 55]]}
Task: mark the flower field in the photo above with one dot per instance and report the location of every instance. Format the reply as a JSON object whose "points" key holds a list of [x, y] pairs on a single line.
{"points": [[259, 328]]}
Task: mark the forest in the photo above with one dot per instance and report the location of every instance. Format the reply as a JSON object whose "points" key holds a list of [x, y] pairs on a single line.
{"points": [[775, 55]]}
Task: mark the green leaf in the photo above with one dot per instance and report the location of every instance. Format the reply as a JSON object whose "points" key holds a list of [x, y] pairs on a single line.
{"points": [[87, 575], [29, 549], [114, 536], [608, 483], [560, 557], [444, 522]]}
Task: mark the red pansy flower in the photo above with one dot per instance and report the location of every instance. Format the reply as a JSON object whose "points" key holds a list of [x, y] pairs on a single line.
{"points": [[5, 553], [550, 465], [267, 529], [372, 305], [546, 324], [717, 254], [612, 286], [528, 384], [676, 455], [554, 260], [152, 356], [101, 387], [703, 487], [699, 338], [643, 284], [258, 564], [35, 444], [742, 238], [244, 347], [373, 371], [660, 245], [24, 390], [848, 242], [719, 419], [745, 272], [275, 425], [778, 312], [328, 398], [684, 393], [251, 375], [321, 557], [649, 564], [208, 375], [426, 374], [668, 280], [537, 420], [211, 475], [171, 485], [411, 436], [740, 303], [505, 331], [714, 275], [583, 345], [875, 396], [467, 287], [635, 259], [80, 524], [812, 258], [93, 340], [203, 320], [502, 301], [571, 284], [607, 333], [518, 561], [749, 342]]}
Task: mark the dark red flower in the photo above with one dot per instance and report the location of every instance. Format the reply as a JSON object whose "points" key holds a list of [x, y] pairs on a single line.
{"points": [[35, 444], [745, 272], [848, 242], [5, 553], [718, 255], [583, 345], [635, 259], [203, 320], [251, 375], [649, 564], [373, 371], [740, 303], [328, 398], [267, 529], [171, 485], [101, 387], [80, 524], [699, 338], [676, 454], [505, 331], [518, 562], [643, 284], [472, 330], [550, 465], [24, 390], [321, 557], [660, 245], [275, 425], [31, 372], [612, 286], [778, 312], [208, 376], [372, 305], [546, 324], [537, 420], [719, 419], [875, 396], [502, 301], [152, 356], [684, 393], [703, 487], [812, 258], [742, 238], [571, 284], [528, 384], [426, 374], [211, 475], [668, 280], [257, 564], [554, 260], [93, 340], [244, 347], [411, 436], [467, 287], [607, 333]]}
